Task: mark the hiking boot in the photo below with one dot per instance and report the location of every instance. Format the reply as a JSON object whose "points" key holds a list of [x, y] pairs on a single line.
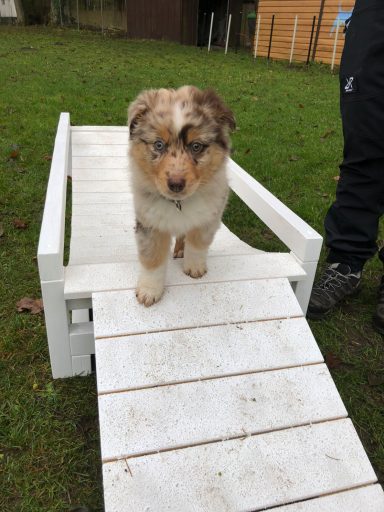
{"points": [[336, 283], [378, 317]]}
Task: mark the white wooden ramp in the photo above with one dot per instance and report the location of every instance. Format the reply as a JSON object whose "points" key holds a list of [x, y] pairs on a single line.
{"points": [[217, 399]]}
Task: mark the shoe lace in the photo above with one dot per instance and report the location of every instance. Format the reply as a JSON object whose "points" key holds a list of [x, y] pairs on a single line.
{"points": [[332, 279]]}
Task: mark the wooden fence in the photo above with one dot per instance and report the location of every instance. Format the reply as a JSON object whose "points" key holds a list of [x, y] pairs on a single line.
{"points": [[317, 36]]}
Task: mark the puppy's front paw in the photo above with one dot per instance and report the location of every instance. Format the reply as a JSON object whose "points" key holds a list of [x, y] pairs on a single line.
{"points": [[195, 270], [148, 295]]}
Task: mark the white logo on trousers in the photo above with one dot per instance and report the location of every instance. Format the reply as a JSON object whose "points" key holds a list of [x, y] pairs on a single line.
{"points": [[349, 85]]}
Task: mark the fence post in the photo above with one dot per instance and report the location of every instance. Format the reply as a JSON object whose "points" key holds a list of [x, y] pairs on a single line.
{"points": [[310, 41], [293, 39], [210, 33], [257, 35], [229, 28], [335, 45], [321, 12], [270, 37]]}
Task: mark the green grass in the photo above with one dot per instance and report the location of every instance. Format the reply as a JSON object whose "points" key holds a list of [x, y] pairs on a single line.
{"points": [[289, 138]]}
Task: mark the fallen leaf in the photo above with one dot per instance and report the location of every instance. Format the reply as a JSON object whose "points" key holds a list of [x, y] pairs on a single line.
{"points": [[15, 152], [327, 134], [34, 306], [19, 224], [324, 195], [336, 178], [375, 379], [247, 151], [268, 234], [301, 105], [332, 360], [47, 157], [294, 158]]}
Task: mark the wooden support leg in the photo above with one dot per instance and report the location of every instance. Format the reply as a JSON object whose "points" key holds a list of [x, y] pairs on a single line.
{"points": [[57, 324]]}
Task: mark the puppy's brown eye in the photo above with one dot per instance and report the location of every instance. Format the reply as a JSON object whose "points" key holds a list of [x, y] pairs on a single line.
{"points": [[196, 147], [159, 146]]}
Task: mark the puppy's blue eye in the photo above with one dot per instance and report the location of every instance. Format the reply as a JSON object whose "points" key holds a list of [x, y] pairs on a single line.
{"points": [[159, 146], [196, 147]]}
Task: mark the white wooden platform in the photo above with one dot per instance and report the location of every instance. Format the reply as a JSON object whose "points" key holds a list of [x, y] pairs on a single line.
{"points": [[217, 398]]}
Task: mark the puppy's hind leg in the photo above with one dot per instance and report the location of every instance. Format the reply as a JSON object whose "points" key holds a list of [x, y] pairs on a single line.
{"points": [[197, 242], [153, 247], [178, 251]]}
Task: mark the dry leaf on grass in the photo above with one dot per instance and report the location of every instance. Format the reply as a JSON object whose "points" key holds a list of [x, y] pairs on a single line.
{"points": [[19, 224], [332, 360], [34, 306], [47, 157], [336, 178], [375, 379]]}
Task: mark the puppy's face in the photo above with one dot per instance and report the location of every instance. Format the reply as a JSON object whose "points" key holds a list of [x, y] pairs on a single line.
{"points": [[180, 138]]}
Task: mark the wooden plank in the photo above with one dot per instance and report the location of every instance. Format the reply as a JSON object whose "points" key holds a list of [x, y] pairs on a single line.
{"points": [[100, 150], [119, 313], [101, 186], [80, 255], [80, 280], [91, 241], [141, 422], [94, 198], [141, 361], [51, 242], [100, 162], [233, 476], [99, 175], [99, 137], [363, 499], [100, 209], [103, 128], [101, 220]]}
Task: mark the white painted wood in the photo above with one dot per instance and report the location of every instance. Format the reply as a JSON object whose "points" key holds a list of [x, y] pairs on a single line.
{"points": [[100, 162], [169, 417], [119, 313], [101, 186], [300, 238], [80, 137], [95, 128], [257, 36], [101, 230], [109, 241], [303, 288], [81, 280], [110, 150], [210, 32], [241, 475], [81, 366], [51, 243], [99, 174], [79, 316], [363, 499], [99, 209], [57, 326], [81, 339], [293, 39], [102, 198], [133, 362], [102, 221], [81, 255], [228, 30]]}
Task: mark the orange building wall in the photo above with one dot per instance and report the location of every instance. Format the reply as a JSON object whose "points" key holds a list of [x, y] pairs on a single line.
{"points": [[285, 12]]}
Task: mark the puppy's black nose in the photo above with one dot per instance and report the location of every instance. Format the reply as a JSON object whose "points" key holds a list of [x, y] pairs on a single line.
{"points": [[176, 184]]}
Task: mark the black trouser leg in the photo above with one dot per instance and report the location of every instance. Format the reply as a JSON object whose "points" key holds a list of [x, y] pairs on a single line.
{"points": [[351, 223]]}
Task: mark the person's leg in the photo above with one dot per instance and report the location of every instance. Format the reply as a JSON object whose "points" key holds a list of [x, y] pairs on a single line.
{"points": [[351, 223]]}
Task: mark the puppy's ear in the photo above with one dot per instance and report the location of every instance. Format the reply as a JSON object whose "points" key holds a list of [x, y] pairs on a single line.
{"points": [[138, 109], [219, 109]]}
